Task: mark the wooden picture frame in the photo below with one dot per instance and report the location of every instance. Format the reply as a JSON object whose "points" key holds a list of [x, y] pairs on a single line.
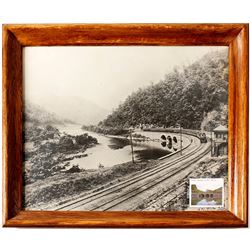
{"points": [[15, 37]]}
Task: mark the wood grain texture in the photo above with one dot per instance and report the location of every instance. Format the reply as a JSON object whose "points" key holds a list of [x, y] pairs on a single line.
{"points": [[238, 125], [125, 219], [125, 34], [231, 127], [233, 35], [12, 125], [241, 143]]}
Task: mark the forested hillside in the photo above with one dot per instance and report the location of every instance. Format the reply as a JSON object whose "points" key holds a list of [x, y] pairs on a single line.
{"points": [[37, 115], [194, 96]]}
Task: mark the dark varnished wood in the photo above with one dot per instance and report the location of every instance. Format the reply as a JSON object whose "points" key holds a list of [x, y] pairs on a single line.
{"points": [[233, 35], [241, 133], [12, 125], [125, 34], [125, 219]]}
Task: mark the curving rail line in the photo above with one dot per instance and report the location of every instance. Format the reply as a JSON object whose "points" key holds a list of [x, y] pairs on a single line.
{"points": [[108, 205], [168, 192], [113, 196]]}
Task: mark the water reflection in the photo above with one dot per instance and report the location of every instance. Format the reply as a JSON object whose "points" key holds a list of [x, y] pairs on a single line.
{"points": [[148, 154], [144, 150], [206, 202], [111, 151], [118, 143]]}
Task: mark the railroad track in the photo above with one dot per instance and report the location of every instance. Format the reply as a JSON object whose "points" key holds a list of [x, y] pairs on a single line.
{"points": [[177, 190], [108, 205], [158, 167], [170, 191], [107, 198]]}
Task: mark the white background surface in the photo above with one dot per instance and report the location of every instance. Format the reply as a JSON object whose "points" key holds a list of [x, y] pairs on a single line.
{"points": [[189, 11]]}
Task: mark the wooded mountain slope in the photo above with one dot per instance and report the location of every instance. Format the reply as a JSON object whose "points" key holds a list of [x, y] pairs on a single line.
{"points": [[39, 116], [194, 96]]}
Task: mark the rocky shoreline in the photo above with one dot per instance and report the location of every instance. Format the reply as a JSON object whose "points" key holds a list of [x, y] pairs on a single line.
{"points": [[49, 152], [51, 180], [49, 176]]}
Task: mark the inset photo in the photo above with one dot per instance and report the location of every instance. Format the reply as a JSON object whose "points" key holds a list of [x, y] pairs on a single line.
{"points": [[206, 192]]}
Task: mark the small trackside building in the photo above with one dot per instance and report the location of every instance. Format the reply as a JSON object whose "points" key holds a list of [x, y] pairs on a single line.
{"points": [[219, 142]]}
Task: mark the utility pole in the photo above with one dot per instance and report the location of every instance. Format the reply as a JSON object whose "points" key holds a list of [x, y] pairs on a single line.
{"points": [[181, 138], [211, 131], [131, 143]]}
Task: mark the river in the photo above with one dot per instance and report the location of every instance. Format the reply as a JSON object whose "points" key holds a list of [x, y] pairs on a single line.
{"points": [[111, 151]]}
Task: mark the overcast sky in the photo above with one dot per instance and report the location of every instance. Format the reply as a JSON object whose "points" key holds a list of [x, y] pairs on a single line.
{"points": [[208, 183], [102, 75]]}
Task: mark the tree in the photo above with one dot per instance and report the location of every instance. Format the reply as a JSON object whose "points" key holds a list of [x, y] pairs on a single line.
{"points": [[185, 95]]}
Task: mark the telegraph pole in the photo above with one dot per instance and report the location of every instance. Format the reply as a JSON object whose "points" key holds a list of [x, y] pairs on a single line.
{"points": [[181, 138], [211, 131], [131, 143]]}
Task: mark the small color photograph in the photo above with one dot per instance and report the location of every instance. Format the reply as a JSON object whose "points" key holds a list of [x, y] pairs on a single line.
{"points": [[207, 192]]}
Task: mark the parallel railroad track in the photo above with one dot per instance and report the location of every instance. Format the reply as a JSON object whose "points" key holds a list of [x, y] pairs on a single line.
{"points": [[171, 191], [108, 205], [113, 190]]}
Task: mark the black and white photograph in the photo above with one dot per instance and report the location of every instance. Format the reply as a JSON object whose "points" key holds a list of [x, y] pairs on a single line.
{"points": [[123, 128]]}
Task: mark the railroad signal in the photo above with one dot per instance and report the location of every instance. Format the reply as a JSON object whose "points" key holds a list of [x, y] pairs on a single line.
{"points": [[169, 142], [166, 141], [163, 143], [163, 137], [175, 143]]}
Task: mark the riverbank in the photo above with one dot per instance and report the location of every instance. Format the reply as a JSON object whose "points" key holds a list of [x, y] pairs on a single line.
{"points": [[64, 187], [114, 132], [49, 152], [106, 130], [63, 162]]}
